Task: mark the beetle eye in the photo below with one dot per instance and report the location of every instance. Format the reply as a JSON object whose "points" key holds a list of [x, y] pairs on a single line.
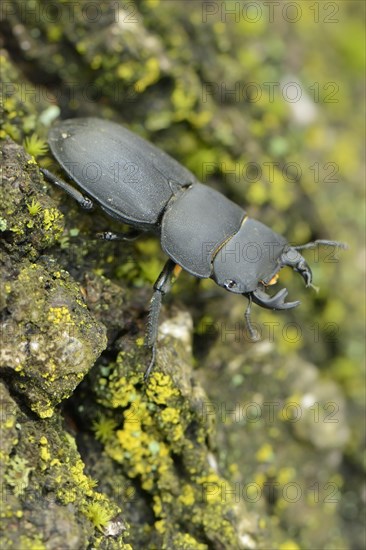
{"points": [[230, 284]]}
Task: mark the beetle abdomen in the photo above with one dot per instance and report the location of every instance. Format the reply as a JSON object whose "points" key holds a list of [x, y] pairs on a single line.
{"points": [[196, 223], [129, 177]]}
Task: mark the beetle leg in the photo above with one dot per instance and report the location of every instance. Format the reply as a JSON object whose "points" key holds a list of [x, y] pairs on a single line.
{"points": [[305, 271], [84, 202], [320, 242], [273, 302], [292, 258], [162, 285], [130, 235]]}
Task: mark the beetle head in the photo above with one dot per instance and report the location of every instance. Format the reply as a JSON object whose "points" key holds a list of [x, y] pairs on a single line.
{"points": [[250, 262]]}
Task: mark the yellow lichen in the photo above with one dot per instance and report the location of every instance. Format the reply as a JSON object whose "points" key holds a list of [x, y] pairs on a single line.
{"points": [[150, 77], [160, 526], [59, 315], [44, 451], [289, 545], [187, 496], [83, 481], [50, 215], [160, 388], [43, 411], [187, 542], [157, 506], [212, 487], [265, 453], [123, 391], [171, 417], [27, 543]]}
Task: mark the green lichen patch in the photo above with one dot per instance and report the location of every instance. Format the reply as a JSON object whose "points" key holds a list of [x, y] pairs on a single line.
{"points": [[30, 220], [44, 485], [157, 434], [51, 340]]}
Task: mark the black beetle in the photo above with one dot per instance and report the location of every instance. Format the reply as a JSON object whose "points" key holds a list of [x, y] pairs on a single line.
{"points": [[200, 229]]}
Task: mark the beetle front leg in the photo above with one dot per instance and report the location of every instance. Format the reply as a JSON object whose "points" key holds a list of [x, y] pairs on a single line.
{"points": [[84, 202], [162, 285]]}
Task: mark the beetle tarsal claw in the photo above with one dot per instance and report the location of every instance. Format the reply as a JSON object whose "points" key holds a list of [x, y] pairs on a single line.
{"points": [[273, 302], [305, 272]]}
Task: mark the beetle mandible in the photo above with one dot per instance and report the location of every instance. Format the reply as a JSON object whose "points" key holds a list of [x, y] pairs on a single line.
{"points": [[199, 228]]}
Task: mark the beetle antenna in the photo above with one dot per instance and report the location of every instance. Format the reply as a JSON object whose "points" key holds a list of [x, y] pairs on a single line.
{"points": [[253, 334], [321, 242]]}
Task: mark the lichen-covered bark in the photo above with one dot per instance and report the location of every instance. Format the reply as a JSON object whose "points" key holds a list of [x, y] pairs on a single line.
{"points": [[91, 456], [50, 340]]}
